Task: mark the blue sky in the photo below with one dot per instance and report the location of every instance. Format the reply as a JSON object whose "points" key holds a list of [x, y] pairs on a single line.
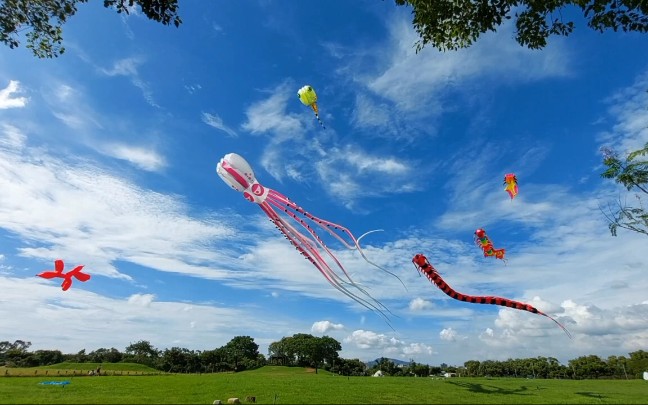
{"points": [[109, 153]]}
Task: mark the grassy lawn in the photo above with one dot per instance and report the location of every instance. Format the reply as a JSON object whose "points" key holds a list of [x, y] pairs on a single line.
{"points": [[283, 385]]}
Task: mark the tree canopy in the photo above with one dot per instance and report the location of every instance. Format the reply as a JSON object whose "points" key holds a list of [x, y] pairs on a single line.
{"points": [[445, 24], [454, 24], [306, 350], [42, 20], [632, 172]]}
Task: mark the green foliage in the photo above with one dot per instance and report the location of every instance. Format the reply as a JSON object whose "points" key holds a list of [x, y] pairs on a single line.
{"points": [[14, 354], [349, 367], [102, 355], [306, 350], [387, 367], [632, 172], [142, 352], [43, 20], [242, 352], [588, 366], [454, 24]]}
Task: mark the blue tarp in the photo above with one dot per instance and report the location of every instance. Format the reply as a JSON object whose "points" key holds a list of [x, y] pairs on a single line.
{"points": [[54, 382]]}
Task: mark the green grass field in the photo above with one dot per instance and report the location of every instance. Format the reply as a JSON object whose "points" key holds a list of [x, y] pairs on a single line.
{"points": [[283, 385]]}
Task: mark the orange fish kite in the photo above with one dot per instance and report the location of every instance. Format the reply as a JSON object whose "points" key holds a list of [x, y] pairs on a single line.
{"points": [[510, 181]]}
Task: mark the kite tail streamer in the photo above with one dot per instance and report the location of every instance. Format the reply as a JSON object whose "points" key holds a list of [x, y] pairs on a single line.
{"points": [[277, 197], [305, 246], [320, 121], [316, 110]]}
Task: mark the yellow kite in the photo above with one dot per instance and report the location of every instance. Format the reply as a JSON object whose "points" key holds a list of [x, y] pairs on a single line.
{"points": [[308, 97]]}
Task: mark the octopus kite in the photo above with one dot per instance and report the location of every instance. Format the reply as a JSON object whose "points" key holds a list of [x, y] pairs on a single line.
{"points": [[423, 266], [237, 173], [67, 277], [511, 183], [308, 97], [483, 241]]}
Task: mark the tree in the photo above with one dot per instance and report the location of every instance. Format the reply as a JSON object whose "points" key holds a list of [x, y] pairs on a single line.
{"points": [[473, 368], [242, 351], [13, 353], [324, 350], [617, 365], [306, 350], [43, 358], [104, 355], [278, 352], [350, 367], [143, 352], [43, 20], [454, 24], [80, 357], [180, 360], [591, 366], [214, 360], [633, 174], [417, 369], [638, 363], [387, 366]]}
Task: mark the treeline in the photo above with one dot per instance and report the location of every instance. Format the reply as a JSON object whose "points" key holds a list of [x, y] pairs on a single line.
{"points": [[304, 350], [584, 367]]}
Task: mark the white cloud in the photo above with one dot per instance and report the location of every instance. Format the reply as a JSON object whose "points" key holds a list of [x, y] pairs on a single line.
{"points": [[404, 92], [6, 99], [69, 105], [351, 173], [144, 300], [419, 304], [321, 327], [629, 109], [144, 158], [448, 334], [416, 349], [73, 209], [129, 67], [13, 138], [374, 344], [123, 67], [366, 339], [369, 112], [414, 81], [270, 115], [192, 88], [217, 122], [35, 311]]}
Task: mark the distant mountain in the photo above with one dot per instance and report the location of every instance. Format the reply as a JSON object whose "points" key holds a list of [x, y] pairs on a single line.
{"points": [[395, 361]]}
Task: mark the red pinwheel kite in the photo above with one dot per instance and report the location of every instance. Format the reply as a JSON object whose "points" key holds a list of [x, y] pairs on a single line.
{"points": [[67, 277]]}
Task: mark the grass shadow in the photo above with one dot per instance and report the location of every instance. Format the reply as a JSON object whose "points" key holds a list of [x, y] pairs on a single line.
{"points": [[592, 395], [490, 389]]}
